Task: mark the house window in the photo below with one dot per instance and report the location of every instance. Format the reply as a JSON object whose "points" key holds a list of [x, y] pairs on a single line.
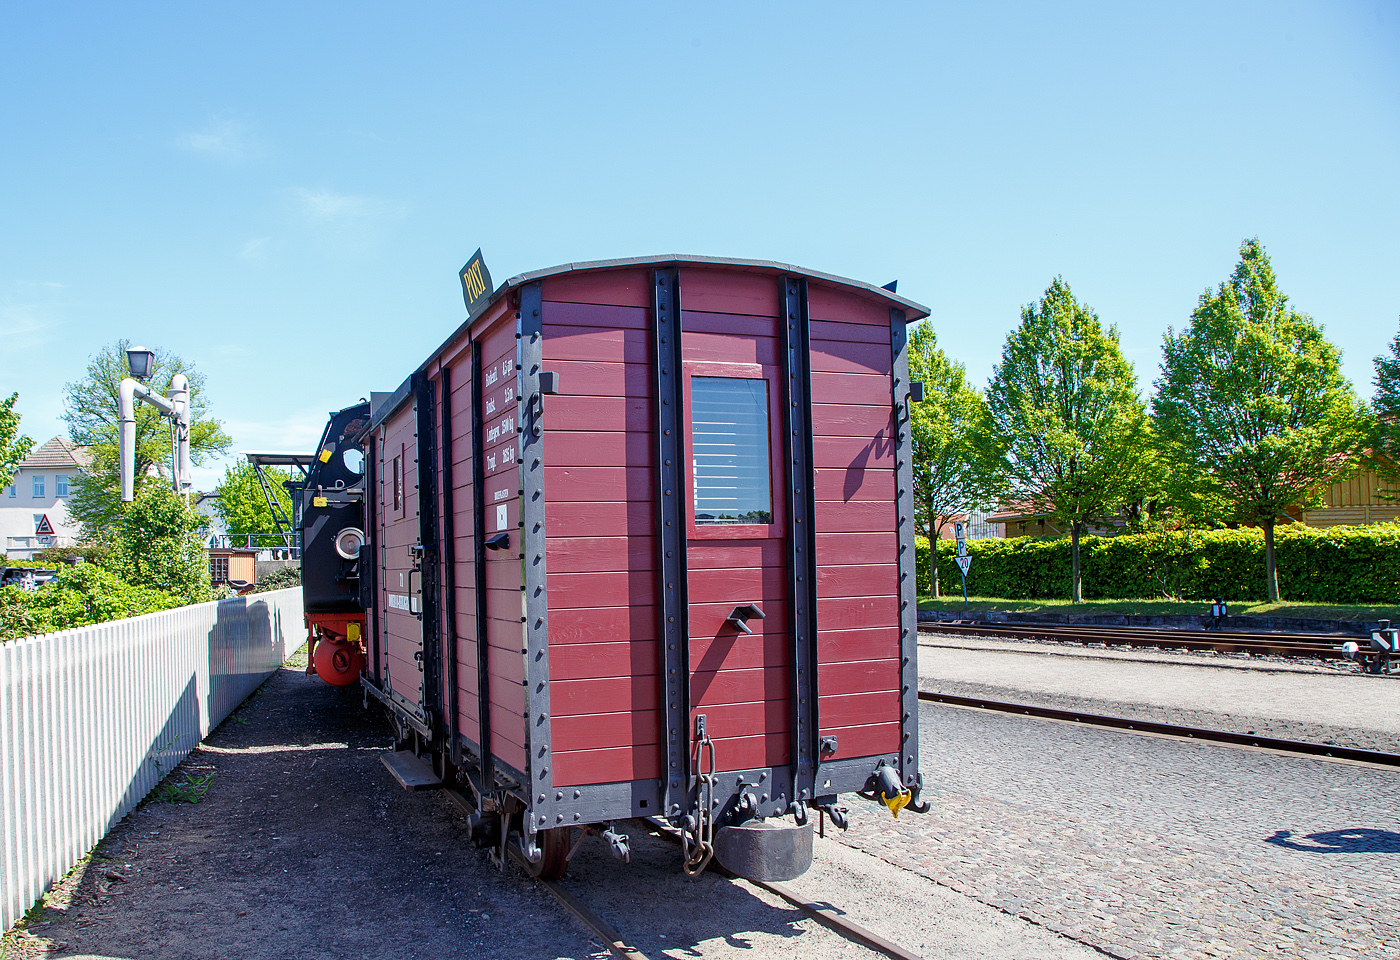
{"points": [[729, 447], [60, 486], [218, 569], [11, 492], [38, 485]]}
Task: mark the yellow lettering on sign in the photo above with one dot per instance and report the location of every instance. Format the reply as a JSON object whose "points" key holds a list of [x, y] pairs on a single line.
{"points": [[473, 281]]}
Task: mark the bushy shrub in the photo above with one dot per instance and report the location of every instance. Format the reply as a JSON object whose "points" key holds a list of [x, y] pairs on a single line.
{"points": [[80, 595], [279, 579], [99, 553], [1336, 565], [159, 543]]}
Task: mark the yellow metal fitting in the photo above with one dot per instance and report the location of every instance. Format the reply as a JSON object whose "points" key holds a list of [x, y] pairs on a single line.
{"points": [[318, 501], [898, 802], [352, 632], [326, 454]]}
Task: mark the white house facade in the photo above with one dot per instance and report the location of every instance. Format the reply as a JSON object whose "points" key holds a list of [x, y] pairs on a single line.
{"points": [[34, 507]]}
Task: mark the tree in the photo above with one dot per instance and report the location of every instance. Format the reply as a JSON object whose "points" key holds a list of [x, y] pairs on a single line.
{"points": [[91, 414], [14, 446], [1385, 434], [1064, 427], [1252, 403], [948, 478], [242, 505], [159, 543]]}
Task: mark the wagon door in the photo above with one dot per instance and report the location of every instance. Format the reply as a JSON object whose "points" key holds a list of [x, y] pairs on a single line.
{"points": [[736, 548], [401, 564], [504, 706]]}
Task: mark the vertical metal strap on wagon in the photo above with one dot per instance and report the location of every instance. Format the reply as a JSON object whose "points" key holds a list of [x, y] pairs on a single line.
{"points": [[369, 555], [670, 535], [801, 535], [530, 429], [483, 672], [908, 595], [449, 574], [426, 426]]}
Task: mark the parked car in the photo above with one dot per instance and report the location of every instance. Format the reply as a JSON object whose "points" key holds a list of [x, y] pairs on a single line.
{"points": [[28, 577]]}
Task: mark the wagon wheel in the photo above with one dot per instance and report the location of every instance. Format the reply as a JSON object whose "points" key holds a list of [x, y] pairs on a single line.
{"points": [[554, 844]]}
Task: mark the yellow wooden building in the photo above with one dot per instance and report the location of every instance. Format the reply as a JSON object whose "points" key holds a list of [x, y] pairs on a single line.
{"points": [[1360, 497]]}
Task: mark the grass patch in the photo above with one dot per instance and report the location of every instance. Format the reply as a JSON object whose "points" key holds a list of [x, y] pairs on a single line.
{"points": [[183, 788], [297, 658], [1243, 608]]}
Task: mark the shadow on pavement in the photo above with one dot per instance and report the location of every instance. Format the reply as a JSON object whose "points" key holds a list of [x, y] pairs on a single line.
{"points": [[1354, 840]]}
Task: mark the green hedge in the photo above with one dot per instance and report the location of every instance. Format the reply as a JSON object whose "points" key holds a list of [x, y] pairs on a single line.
{"points": [[1336, 565], [80, 595]]}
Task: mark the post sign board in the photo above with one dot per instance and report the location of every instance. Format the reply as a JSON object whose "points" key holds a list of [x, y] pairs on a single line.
{"points": [[43, 528], [476, 282], [964, 561]]}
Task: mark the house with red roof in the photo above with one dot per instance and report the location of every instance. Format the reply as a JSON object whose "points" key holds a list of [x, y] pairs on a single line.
{"points": [[34, 507]]}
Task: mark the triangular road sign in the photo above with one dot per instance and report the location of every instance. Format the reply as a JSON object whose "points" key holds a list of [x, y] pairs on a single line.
{"points": [[43, 528], [964, 562]]}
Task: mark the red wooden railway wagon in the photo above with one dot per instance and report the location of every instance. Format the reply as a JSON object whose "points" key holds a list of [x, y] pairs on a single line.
{"points": [[643, 545]]}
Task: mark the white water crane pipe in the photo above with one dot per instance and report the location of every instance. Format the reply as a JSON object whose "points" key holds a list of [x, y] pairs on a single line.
{"points": [[180, 397], [128, 392]]}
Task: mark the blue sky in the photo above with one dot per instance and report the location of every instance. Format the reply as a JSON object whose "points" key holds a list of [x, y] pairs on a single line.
{"points": [[283, 193]]}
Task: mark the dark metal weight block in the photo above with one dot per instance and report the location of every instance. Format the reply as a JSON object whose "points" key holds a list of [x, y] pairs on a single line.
{"points": [[765, 850]]}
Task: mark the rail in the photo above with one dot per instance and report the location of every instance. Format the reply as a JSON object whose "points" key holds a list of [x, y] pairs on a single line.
{"points": [[91, 719], [1279, 644], [1130, 725]]}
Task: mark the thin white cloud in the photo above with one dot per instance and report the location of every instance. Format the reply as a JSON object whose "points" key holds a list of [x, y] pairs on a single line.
{"points": [[327, 206], [225, 140], [345, 223], [256, 249], [22, 327]]}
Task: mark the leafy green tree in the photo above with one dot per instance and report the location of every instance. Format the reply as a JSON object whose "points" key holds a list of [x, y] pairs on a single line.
{"points": [[242, 505], [1064, 428], [1252, 404], [14, 446], [1385, 435], [91, 414], [949, 478], [160, 544]]}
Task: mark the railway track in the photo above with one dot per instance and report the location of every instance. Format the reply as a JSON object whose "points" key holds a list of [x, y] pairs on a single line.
{"points": [[1278, 644], [823, 912], [1200, 734]]}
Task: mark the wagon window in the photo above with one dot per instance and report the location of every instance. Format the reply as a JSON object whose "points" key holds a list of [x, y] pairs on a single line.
{"points": [[729, 445]]}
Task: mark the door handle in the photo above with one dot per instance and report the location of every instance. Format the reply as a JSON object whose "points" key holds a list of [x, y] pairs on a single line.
{"points": [[415, 607], [740, 616]]}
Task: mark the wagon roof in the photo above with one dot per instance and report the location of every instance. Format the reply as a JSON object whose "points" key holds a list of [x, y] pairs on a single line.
{"points": [[913, 310], [916, 311]]}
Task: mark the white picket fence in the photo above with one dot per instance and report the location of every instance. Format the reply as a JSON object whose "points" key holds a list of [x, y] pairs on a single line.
{"points": [[91, 719]]}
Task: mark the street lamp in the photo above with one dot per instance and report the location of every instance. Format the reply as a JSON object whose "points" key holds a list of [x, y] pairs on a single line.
{"points": [[141, 362], [175, 408]]}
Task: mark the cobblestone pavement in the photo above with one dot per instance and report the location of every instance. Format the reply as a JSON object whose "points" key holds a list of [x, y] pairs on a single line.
{"points": [[1148, 847]]}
